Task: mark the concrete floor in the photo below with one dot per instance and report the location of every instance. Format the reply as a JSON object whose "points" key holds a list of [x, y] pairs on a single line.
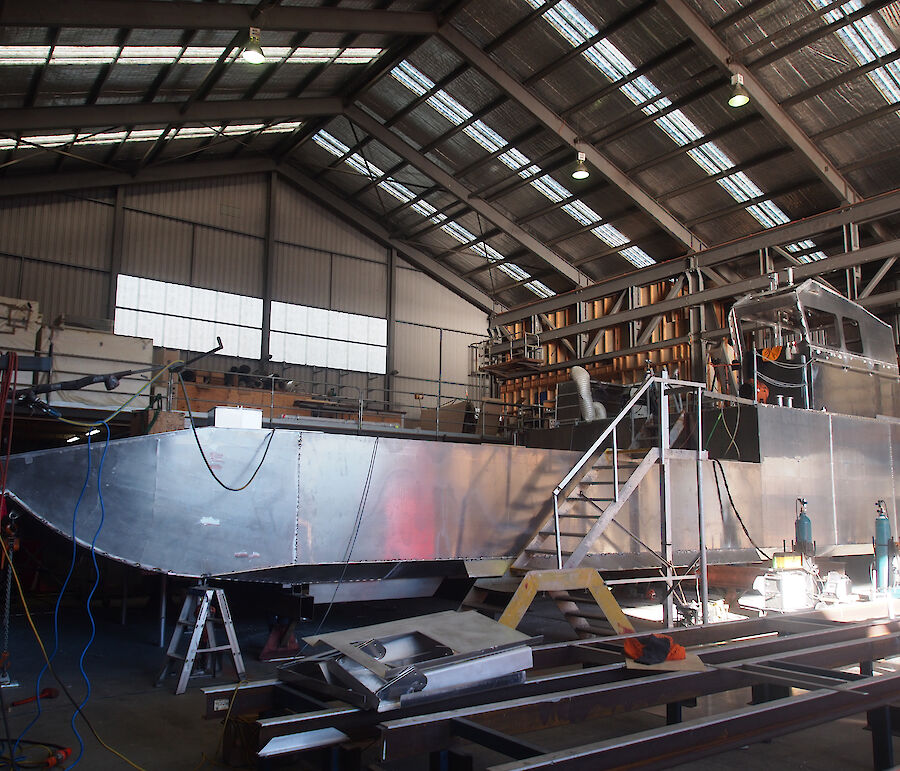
{"points": [[162, 732]]}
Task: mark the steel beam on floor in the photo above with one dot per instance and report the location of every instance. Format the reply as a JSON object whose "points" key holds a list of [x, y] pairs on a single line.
{"points": [[604, 688], [423, 733]]}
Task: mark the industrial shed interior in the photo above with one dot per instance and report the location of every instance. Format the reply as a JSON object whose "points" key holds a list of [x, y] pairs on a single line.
{"points": [[397, 384]]}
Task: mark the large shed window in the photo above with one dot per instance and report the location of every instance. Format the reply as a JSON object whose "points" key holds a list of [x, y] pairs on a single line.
{"points": [[318, 337], [188, 318]]}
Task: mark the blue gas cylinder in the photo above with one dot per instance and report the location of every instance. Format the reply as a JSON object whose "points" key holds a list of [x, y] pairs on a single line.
{"points": [[882, 546]]}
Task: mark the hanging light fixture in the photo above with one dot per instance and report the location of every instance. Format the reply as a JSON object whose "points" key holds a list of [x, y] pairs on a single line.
{"points": [[581, 170], [739, 96], [253, 52]]}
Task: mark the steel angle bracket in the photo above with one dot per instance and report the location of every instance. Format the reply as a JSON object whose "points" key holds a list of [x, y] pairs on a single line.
{"points": [[564, 581]]}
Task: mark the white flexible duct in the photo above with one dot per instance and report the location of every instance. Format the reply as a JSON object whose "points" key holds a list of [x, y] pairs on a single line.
{"points": [[590, 410]]}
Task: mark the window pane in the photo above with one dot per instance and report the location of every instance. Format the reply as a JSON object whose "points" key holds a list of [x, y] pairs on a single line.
{"points": [[357, 359], [378, 331], [317, 322], [277, 316], [127, 291], [339, 325], [176, 332], [295, 349], [296, 319], [377, 359], [150, 325], [316, 352], [251, 311], [178, 299], [337, 354], [228, 308], [126, 322], [276, 346], [203, 337], [151, 295], [203, 304], [249, 342], [357, 328]]}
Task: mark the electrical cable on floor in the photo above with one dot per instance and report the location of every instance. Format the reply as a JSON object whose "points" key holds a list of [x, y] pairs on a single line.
{"points": [[718, 463], [59, 597], [57, 752], [87, 680], [187, 403], [53, 672], [352, 542]]}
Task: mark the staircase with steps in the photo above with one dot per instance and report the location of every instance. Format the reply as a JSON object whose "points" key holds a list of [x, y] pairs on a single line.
{"points": [[587, 501], [585, 508], [584, 504]]}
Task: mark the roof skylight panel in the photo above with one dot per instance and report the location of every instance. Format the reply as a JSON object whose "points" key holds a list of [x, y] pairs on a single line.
{"points": [[402, 193], [24, 54], [866, 41], [489, 139], [148, 135], [574, 27], [158, 55]]}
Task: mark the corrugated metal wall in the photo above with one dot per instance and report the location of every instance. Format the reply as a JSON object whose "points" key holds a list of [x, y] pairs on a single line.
{"points": [[210, 233], [298, 220]]}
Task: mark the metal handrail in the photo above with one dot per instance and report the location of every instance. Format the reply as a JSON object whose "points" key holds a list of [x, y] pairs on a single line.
{"points": [[582, 461]]}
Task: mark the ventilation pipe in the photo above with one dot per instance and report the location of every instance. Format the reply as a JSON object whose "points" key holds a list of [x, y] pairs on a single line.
{"points": [[590, 410]]}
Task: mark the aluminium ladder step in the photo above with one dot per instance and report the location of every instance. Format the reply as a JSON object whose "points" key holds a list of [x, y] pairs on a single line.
{"points": [[586, 498], [545, 551]]}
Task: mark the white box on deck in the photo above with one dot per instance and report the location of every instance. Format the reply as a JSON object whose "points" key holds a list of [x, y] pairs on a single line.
{"points": [[235, 417]]}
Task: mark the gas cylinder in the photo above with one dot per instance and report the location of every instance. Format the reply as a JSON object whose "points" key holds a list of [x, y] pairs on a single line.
{"points": [[882, 546], [803, 541]]}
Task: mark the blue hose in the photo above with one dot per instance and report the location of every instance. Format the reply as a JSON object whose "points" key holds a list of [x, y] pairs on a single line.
{"points": [[62, 591], [90, 641]]}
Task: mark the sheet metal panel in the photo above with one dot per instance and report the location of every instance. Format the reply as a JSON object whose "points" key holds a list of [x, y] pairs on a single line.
{"points": [[71, 230], [414, 500], [862, 472], [233, 203], [795, 447], [300, 221]]}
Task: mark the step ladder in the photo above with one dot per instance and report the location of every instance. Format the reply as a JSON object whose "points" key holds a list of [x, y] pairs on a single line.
{"points": [[198, 613]]}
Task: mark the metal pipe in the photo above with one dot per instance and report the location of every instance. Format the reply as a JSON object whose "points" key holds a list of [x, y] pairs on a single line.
{"points": [[615, 465], [665, 503], [582, 382], [701, 514], [559, 559]]}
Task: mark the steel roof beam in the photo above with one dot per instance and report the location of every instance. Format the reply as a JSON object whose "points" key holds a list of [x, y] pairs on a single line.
{"points": [[869, 209], [762, 100], [180, 15], [837, 262], [446, 180], [470, 51], [34, 184], [98, 115], [377, 230]]}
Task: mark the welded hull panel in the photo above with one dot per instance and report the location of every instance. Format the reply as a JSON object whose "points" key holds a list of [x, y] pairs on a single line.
{"points": [[414, 500]]}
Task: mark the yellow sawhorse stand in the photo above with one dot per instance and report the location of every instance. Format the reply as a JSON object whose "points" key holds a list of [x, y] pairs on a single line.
{"points": [[558, 582]]}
